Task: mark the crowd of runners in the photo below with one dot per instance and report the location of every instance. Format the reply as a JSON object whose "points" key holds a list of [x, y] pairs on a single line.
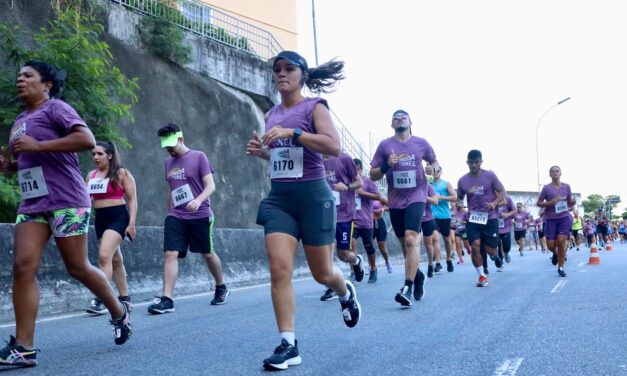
{"points": [[474, 217]]}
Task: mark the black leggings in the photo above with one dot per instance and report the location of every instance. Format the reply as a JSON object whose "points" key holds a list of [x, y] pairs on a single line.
{"points": [[505, 245]]}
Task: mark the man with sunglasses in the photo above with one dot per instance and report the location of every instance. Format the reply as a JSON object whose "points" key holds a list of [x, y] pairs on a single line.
{"points": [[399, 159], [484, 192]]}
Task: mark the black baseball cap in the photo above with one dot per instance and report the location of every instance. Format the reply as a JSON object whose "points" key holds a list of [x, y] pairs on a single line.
{"points": [[293, 58]]}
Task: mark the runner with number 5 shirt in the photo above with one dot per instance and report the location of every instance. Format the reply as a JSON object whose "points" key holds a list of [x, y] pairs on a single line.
{"points": [[399, 159], [556, 198], [485, 191]]}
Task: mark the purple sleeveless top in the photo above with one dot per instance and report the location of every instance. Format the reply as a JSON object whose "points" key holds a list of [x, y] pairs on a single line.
{"points": [[298, 116]]}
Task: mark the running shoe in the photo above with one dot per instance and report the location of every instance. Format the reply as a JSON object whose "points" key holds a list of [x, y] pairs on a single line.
{"points": [[449, 266], [161, 304], [122, 327], [483, 281], [460, 261], [389, 267], [358, 269], [561, 272], [126, 300], [508, 259], [351, 309], [502, 268], [220, 295], [486, 271], [419, 285], [497, 261], [438, 267], [17, 355], [404, 296], [521, 252], [372, 278], [554, 259], [96, 307], [284, 355], [328, 295], [430, 271]]}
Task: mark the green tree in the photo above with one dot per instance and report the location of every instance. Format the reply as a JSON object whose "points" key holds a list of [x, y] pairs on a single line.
{"points": [[592, 203], [95, 87]]}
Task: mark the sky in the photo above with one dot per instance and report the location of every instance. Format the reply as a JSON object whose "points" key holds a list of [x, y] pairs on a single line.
{"points": [[479, 75]]}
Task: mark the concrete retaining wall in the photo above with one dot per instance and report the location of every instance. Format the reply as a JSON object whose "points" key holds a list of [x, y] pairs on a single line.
{"points": [[242, 253]]}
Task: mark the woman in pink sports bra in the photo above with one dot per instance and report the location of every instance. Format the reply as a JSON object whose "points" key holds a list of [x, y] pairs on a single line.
{"points": [[108, 185]]}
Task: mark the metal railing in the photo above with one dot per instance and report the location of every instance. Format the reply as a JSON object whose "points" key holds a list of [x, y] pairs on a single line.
{"points": [[201, 19]]}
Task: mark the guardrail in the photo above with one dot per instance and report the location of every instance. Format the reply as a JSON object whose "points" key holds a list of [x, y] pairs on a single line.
{"points": [[200, 18]]}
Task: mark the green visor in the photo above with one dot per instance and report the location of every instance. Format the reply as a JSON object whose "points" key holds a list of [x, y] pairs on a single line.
{"points": [[171, 140]]}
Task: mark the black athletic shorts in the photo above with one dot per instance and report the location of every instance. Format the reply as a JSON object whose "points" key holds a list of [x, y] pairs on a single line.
{"points": [[488, 234], [181, 235], [114, 218], [409, 218], [428, 228], [506, 241], [520, 235], [366, 235], [443, 225], [304, 210], [380, 230]]}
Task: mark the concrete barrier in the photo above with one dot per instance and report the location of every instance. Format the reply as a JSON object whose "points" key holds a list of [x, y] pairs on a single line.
{"points": [[242, 253]]}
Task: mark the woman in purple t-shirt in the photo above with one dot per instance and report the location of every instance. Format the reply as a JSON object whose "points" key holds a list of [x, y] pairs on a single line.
{"points": [[300, 204], [44, 140], [557, 200]]}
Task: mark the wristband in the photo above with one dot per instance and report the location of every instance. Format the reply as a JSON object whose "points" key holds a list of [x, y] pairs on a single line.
{"points": [[385, 167]]}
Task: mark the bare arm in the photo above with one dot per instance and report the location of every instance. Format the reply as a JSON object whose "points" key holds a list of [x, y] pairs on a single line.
{"points": [[452, 196], [80, 138], [325, 141], [130, 190]]}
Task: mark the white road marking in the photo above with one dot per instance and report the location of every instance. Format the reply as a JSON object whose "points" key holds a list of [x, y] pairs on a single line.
{"points": [[509, 367], [581, 264], [559, 286], [142, 304]]}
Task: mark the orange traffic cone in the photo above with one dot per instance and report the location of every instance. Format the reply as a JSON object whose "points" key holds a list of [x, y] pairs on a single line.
{"points": [[594, 255], [608, 246]]}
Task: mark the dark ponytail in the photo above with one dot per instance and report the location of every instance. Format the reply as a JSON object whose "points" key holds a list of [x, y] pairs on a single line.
{"points": [[115, 163], [49, 74], [322, 78]]}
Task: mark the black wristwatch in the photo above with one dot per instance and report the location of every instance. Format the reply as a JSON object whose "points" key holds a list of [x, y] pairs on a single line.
{"points": [[297, 133]]}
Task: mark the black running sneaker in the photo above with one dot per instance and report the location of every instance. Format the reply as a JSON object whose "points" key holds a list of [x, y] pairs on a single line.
{"points": [[404, 296], [17, 355], [449, 266], [358, 268], [419, 285], [561, 272], [161, 304], [126, 300], [554, 259], [220, 296], [430, 271], [328, 295], [96, 307], [285, 355], [497, 261], [122, 327], [438, 267], [351, 309]]}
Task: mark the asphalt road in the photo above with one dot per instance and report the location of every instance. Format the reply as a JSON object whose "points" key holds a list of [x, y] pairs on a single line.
{"points": [[528, 321]]}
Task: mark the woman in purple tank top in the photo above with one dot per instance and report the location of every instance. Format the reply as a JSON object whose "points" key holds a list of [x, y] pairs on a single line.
{"points": [[557, 200], [300, 204], [43, 141]]}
